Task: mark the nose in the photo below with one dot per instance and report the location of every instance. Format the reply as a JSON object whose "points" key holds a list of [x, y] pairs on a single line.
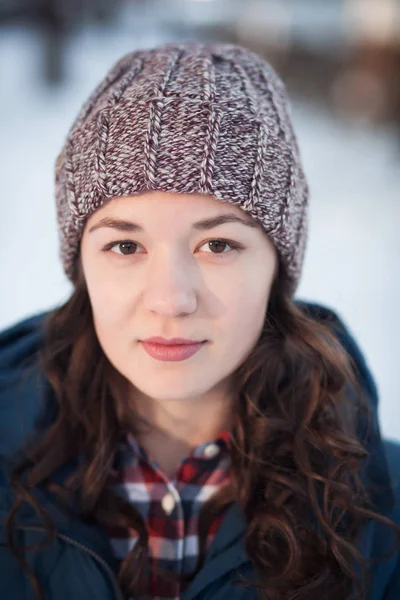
{"points": [[170, 291]]}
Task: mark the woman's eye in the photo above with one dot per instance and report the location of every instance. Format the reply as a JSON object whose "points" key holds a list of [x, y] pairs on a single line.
{"points": [[128, 247], [125, 247], [219, 244]]}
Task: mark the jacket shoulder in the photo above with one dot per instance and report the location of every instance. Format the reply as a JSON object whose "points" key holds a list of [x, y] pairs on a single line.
{"points": [[381, 471], [376, 469], [347, 339], [22, 382], [19, 343]]}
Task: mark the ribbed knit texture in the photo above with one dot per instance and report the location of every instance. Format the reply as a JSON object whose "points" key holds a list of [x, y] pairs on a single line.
{"points": [[188, 117]]}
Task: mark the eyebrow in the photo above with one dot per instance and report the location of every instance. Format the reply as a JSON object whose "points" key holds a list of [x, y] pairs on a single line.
{"points": [[203, 225]]}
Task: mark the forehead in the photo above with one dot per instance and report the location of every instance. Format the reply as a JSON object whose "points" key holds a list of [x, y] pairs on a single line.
{"points": [[157, 205]]}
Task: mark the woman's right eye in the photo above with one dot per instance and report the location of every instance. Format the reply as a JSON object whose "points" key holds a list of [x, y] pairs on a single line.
{"points": [[125, 247]]}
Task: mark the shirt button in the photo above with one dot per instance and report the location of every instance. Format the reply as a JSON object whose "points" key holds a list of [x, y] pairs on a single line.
{"points": [[211, 450], [168, 503]]}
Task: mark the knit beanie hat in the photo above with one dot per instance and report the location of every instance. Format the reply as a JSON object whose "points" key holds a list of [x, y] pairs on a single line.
{"points": [[187, 117]]}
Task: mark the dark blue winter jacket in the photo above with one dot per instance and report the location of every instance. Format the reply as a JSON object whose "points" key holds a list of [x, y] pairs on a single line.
{"points": [[79, 564]]}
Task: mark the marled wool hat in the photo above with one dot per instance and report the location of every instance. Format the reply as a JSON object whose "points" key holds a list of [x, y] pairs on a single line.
{"points": [[187, 117]]}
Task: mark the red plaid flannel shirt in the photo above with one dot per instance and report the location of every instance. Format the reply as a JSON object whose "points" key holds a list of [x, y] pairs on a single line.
{"points": [[170, 508]]}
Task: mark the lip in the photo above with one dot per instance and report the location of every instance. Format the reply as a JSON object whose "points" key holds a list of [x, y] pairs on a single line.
{"points": [[172, 352], [173, 341]]}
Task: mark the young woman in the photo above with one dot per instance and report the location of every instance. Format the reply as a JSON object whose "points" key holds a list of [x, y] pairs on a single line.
{"points": [[244, 461]]}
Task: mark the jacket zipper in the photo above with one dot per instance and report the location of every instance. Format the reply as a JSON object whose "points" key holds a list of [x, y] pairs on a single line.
{"points": [[92, 553]]}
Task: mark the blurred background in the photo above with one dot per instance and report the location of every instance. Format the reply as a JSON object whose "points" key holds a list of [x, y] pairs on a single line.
{"points": [[340, 60]]}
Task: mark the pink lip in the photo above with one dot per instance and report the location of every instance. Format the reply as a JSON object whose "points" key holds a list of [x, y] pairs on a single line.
{"points": [[174, 352], [171, 342]]}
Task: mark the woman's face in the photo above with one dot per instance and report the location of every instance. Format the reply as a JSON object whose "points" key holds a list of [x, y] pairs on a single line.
{"points": [[168, 280]]}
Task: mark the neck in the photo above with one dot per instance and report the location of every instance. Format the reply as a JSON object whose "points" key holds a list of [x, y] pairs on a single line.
{"points": [[174, 427]]}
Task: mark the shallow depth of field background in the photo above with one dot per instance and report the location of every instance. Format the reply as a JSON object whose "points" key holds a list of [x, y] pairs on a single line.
{"points": [[340, 60]]}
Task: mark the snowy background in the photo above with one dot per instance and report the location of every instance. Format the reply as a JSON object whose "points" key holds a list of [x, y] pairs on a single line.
{"points": [[353, 254]]}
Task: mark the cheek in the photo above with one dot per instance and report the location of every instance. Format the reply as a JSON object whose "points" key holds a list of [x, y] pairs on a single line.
{"points": [[111, 331], [110, 306], [251, 316], [246, 317]]}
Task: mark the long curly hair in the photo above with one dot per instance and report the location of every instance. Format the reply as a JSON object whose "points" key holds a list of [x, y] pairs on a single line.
{"points": [[298, 446]]}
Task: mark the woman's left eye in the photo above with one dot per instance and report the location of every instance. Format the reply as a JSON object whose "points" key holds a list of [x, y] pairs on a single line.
{"points": [[216, 244], [220, 243]]}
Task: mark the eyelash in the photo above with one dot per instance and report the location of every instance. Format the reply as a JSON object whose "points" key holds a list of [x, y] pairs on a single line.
{"points": [[233, 245]]}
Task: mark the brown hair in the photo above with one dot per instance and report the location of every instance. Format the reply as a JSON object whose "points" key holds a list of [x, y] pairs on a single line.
{"points": [[296, 456]]}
